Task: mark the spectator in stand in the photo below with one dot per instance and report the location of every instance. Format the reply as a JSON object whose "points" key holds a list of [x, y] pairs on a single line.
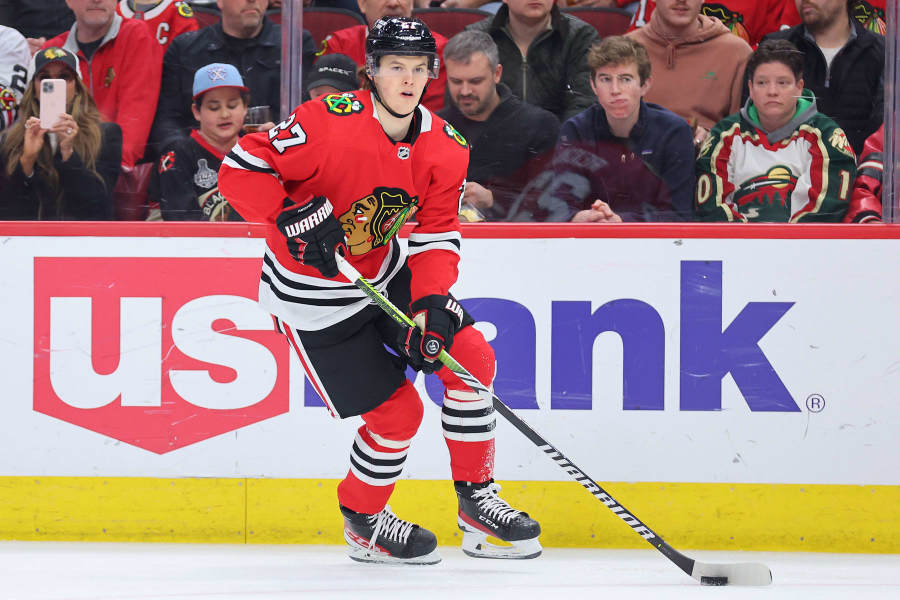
{"points": [[120, 64], [623, 159], [778, 160], [865, 201], [245, 38], [188, 170], [543, 52], [698, 68], [332, 74], [66, 172], [352, 42], [37, 20], [750, 20], [843, 65], [167, 19], [15, 56], [509, 140]]}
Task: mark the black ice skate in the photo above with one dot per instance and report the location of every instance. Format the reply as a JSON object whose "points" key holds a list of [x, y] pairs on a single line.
{"points": [[385, 538], [483, 513]]}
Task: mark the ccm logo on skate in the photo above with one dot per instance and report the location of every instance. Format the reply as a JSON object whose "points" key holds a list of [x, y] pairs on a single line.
{"points": [[307, 223], [159, 353], [708, 347]]}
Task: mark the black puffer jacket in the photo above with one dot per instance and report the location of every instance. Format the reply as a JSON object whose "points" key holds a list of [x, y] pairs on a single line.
{"points": [[258, 60], [554, 74], [852, 91], [36, 18]]}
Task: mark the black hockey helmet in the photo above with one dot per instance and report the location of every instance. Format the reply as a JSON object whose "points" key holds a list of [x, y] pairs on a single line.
{"points": [[404, 36]]}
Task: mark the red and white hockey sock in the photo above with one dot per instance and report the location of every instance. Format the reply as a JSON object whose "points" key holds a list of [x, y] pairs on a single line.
{"points": [[468, 423]]}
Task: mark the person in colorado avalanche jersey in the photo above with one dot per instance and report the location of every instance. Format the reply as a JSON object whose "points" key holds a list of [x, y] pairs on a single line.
{"points": [[343, 173]]}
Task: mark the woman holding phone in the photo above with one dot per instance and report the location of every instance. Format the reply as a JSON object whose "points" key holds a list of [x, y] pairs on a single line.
{"points": [[62, 164]]}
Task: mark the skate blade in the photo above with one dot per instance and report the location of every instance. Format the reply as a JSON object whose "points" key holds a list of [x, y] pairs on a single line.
{"points": [[365, 555], [476, 545]]}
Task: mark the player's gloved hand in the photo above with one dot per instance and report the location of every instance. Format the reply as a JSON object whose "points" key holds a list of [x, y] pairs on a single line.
{"points": [[313, 234], [438, 318]]}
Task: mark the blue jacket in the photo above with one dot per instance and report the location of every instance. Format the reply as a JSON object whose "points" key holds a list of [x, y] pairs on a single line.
{"points": [[646, 177]]}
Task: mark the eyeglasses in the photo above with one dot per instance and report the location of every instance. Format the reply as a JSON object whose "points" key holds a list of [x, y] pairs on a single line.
{"points": [[66, 76]]}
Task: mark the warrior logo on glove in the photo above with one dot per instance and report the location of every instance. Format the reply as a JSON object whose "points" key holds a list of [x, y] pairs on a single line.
{"points": [[373, 220]]}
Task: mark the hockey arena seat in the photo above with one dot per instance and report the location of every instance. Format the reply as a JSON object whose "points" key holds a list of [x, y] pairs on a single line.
{"points": [[322, 20], [274, 15], [449, 21], [207, 15], [607, 21]]}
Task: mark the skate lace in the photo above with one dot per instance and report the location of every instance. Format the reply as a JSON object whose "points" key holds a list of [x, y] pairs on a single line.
{"points": [[496, 508], [389, 525]]}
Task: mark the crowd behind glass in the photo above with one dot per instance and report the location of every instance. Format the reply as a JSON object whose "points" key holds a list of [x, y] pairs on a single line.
{"points": [[733, 111]]}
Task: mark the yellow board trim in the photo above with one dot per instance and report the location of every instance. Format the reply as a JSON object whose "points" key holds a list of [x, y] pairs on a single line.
{"points": [[709, 516]]}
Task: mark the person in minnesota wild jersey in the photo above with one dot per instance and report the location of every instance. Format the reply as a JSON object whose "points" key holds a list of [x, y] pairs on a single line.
{"points": [[778, 160]]}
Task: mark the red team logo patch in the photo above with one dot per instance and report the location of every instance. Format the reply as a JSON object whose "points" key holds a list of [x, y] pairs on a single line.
{"points": [[159, 353]]}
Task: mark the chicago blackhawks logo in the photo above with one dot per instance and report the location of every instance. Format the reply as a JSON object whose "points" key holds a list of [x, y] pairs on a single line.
{"points": [[733, 20], [872, 18], [454, 135], [185, 10], [7, 99], [342, 104], [373, 220], [771, 190]]}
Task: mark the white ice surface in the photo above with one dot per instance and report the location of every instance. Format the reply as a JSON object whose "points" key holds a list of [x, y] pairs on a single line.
{"points": [[81, 571]]}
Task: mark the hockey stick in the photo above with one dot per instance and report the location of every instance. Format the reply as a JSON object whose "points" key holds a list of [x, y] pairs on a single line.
{"points": [[705, 573]]}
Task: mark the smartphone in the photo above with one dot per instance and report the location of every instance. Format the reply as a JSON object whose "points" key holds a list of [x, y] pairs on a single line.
{"points": [[53, 101]]}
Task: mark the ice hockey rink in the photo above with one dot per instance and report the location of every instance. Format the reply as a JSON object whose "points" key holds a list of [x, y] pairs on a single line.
{"points": [[107, 571]]}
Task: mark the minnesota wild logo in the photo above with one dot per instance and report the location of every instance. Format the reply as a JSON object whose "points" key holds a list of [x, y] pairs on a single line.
{"points": [[763, 193]]}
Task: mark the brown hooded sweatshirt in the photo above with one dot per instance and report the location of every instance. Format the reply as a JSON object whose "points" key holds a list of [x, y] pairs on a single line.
{"points": [[699, 76]]}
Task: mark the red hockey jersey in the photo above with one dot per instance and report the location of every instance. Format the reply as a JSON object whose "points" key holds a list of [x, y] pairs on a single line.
{"points": [[865, 202], [167, 20], [334, 146], [352, 42], [750, 20]]}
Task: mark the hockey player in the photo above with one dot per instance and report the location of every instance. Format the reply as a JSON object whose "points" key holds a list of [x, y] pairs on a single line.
{"points": [[343, 173], [167, 19]]}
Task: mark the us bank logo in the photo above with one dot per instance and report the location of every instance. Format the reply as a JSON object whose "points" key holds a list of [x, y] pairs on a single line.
{"points": [[709, 349], [159, 353]]}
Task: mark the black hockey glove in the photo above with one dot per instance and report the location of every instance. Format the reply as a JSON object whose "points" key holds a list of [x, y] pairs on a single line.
{"points": [[313, 234], [439, 318]]}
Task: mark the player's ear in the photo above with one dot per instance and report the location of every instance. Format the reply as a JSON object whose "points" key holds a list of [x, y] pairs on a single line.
{"points": [[196, 110]]}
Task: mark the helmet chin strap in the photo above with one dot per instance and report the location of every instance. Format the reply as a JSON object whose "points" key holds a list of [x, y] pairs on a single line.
{"points": [[391, 110]]}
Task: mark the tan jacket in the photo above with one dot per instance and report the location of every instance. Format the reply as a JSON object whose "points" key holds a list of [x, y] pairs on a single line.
{"points": [[699, 76]]}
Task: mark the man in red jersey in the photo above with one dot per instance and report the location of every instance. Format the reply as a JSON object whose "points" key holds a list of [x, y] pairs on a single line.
{"points": [[352, 42], [121, 64], [167, 19], [343, 173]]}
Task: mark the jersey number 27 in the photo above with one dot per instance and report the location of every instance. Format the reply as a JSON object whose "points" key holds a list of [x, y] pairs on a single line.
{"points": [[298, 136]]}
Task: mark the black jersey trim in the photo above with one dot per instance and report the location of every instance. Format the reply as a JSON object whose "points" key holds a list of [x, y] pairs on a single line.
{"points": [[246, 165]]}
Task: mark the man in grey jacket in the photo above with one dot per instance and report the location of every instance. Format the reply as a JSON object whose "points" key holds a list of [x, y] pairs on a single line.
{"points": [[544, 54]]}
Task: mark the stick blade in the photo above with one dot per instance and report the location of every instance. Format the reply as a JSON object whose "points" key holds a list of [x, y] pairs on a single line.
{"points": [[747, 574]]}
